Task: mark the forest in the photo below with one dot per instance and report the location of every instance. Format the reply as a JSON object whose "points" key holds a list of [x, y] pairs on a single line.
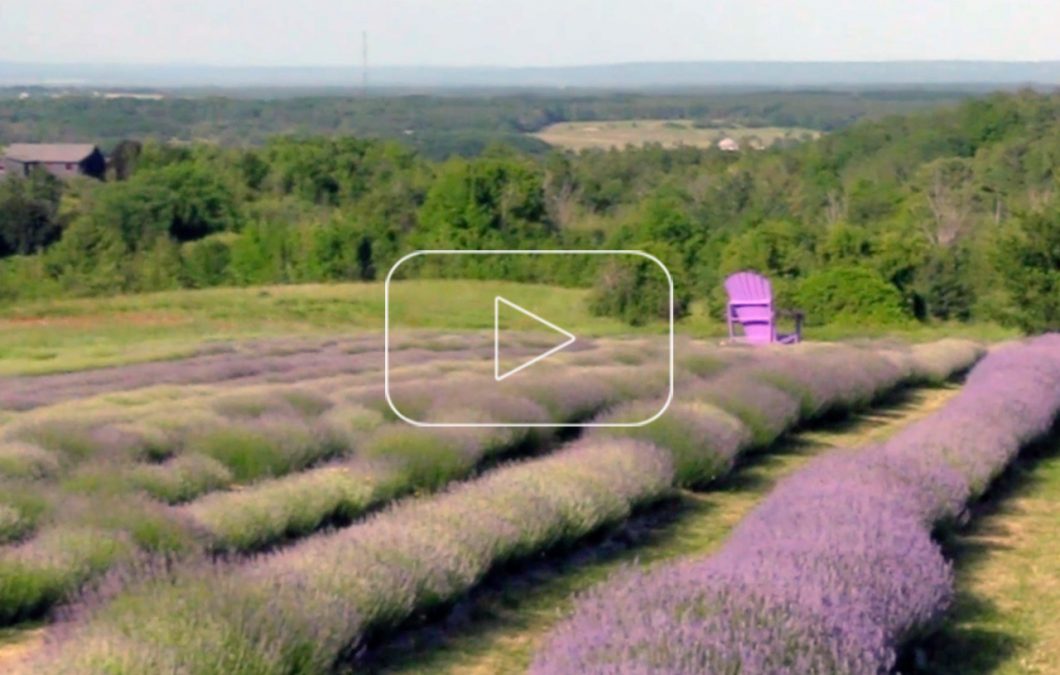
{"points": [[950, 213], [438, 125]]}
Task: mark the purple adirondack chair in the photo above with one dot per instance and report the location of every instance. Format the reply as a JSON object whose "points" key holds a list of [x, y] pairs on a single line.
{"points": [[751, 306]]}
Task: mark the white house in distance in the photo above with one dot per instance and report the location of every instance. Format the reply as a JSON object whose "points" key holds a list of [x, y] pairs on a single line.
{"points": [[728, 145]]}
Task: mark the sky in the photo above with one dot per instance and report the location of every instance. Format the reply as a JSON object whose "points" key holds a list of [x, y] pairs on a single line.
{"points": [[521, 32]]}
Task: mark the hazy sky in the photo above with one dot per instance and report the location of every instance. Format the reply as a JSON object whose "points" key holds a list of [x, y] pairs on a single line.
{"points": [[521, 32]]}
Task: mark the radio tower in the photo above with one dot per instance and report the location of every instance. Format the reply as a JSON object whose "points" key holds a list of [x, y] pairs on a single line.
{"points": [[364, 63]]}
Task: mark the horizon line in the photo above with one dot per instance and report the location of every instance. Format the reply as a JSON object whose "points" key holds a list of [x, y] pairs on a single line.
{"points": [[601, 64]]}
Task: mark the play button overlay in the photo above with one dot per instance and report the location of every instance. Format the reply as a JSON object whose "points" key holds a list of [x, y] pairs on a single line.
{"points": [[510, 338], [501, 306]]}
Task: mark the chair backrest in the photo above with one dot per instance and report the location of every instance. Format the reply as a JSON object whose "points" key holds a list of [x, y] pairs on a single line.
{"points": [[749, 287], [751, 306]]}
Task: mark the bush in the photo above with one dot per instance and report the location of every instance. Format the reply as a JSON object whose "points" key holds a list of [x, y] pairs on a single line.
{"points": [[43, 572], [292, 506], [424, 460], [22, 508], [850, 295], [264, 447], [206, 261], [23, 460], [12, 525], [703, 441], [182, 479], [635, 291]]}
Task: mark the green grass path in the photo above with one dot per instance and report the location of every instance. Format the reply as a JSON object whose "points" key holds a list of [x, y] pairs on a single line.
{"points": [[1006, 618], [499, 628]]}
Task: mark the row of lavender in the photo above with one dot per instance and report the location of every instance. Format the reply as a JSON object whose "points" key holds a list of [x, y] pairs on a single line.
{"points": [[837, 569], [78, 483], [234, 364], [316, 603], [90, 514]]}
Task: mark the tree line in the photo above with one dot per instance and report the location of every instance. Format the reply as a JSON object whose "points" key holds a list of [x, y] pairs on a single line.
{"points": [[438, 126], [950, 214]]}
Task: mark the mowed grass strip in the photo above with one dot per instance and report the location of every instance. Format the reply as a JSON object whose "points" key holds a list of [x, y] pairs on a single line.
{"points": [[499, 628], [72, 335], [1006, 617]]}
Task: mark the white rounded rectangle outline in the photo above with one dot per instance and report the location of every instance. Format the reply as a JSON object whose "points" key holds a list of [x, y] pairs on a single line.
{"points": [[419, 423]]}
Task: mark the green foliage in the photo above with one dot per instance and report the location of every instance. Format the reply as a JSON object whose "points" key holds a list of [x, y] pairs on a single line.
{"points": [[423, 461], [206, 262], [484, 203], [846, 295], [68, 558], [634, 290], [930, 202], [29, 218], [437, 126], [1030, 254]]}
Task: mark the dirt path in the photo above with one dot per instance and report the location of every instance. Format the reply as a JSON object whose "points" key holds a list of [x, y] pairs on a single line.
{"points": [[498, 629], [1006, 618]]}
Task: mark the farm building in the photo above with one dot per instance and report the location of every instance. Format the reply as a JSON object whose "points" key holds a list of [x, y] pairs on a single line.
{"points": [[63, 160]]}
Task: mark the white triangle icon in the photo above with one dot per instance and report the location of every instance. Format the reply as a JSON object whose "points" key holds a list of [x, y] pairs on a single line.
{"points": [[497, 374]]}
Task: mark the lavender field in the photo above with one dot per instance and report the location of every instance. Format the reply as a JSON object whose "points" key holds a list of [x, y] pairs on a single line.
{"points": [[258, 509], [837, 570]]}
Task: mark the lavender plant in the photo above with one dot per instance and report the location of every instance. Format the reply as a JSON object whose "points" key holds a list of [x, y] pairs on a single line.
{"points": [[301, 610], [24, 460], [305, 608], [181, 479], [837, 569], [38, 574]]}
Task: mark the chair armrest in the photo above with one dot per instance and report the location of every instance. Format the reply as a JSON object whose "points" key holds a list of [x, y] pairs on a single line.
{"points": [[794, 313]]}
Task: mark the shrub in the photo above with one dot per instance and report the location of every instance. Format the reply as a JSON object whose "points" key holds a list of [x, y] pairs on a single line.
{"points": [[424, 459], [268, 513], [48, 569], [348, 425], [703, 441], [260, 402], [71, 438], [100, 479], [181, 479], [264, 447], [850, 295], [22, 508], [205, 262], [635, 291], [24, 460], [136, 440], [12, 525], [149, 525], [766, 410]]}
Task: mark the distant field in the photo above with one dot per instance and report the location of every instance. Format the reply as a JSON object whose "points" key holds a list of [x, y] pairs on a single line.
{"points": [[668, 133]]}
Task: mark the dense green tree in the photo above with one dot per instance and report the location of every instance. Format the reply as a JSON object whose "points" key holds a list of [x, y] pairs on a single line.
{"points": [[485, 204], [1029, 261], [928, 203], [849, 295], [29, 213]]}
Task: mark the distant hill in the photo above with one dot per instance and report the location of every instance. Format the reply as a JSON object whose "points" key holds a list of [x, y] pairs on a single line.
{"points": [[621, 75]]}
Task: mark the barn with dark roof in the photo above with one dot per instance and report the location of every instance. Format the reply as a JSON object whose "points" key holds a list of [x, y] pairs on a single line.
{"points": [[63, 160]]}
